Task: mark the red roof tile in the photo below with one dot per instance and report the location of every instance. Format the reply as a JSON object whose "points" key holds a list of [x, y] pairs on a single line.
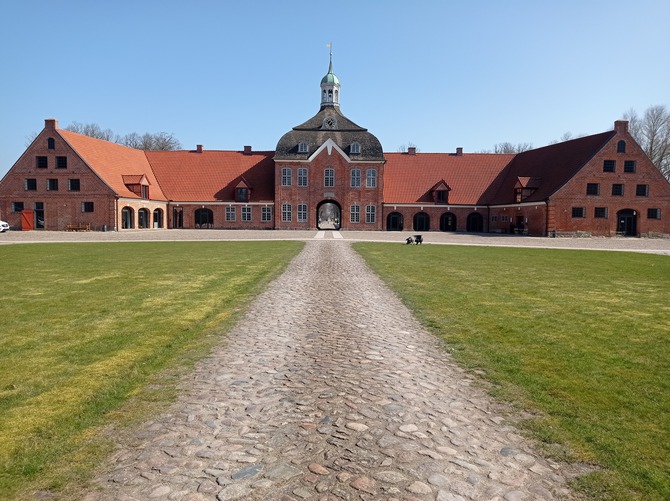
{"points": [[410, 178]]}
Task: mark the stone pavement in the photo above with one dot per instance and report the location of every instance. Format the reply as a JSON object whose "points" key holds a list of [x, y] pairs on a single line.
{"points": [[329, 389]]}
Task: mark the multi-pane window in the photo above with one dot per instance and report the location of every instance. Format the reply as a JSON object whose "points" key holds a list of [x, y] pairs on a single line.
{"points": [[302, 213], [73, 185], [30, 184], [302, 147], [241, 194], [593, 189], [329, 178], [266, 214], [355, 148], [355, 178], [371, 178], [578, 212], [600, 212], [441, 196], [41, 162], [87, 206], [370, 214], [617, 190], [494, 218], [286, 176], [246, 213], [231, 213], [17, 206], [52, 184], [61, 162], [629, 166], [302, 176], [355, 213], [609, 165], [286, 213], [642, 190], [653, 213]]}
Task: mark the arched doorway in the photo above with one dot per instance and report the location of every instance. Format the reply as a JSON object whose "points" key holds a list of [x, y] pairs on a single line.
{"points": [[328, 215], [158, 218], [127, 218], [448, 222], [143, 219], [394, 222], [475, 223], [421, 222], [204, 218], [626, 223]]}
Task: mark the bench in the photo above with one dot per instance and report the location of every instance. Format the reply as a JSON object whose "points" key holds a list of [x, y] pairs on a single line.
{"points": [[79, 227]]}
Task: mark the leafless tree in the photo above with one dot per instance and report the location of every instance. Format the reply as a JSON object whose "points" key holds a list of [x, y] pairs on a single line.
{"points": [[512, 148], [403, 148], [91, 130], [652, 132], [146, 141]]}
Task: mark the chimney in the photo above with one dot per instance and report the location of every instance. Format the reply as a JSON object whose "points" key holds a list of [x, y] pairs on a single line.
{"points": [[621, 126], [247, 150], [198, 148], [459, 152], [51, 123], [411, 150]]}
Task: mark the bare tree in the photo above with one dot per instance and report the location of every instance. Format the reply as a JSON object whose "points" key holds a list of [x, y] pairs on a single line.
{"points": [[92, 130], [403, 148], [146, 141], [512, 148], [652, 132]]}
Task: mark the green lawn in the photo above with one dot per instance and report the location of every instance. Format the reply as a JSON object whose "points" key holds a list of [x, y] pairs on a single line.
{"points": [[95, 335], [579, 338]]}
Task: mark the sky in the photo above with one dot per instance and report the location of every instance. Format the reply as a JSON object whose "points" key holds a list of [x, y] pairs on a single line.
{"points": [[435, 74]]}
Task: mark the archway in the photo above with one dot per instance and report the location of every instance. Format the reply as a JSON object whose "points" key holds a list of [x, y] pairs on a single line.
{"points": [[158, 218], [448, 221], [328, 215], [127, 218], [475, 223], [204, 218], [626, 222], [421, 222], [394, 222], [143, 219]]}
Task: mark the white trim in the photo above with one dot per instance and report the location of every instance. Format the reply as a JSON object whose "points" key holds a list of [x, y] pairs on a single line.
{"points": [[328, 145], [176, 204], [522, 204]]}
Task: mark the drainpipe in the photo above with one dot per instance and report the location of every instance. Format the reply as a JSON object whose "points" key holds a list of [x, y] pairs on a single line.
{"points": [[546, 217]]}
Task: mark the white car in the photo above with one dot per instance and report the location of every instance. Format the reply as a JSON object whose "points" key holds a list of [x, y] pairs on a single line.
{"points": [[3, 226]]}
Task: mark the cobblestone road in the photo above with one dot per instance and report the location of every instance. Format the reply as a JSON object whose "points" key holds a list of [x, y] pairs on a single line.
{"points": [[329, 389]]}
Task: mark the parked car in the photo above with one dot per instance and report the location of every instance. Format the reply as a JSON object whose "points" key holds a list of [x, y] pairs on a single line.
{"points": [[3, 226]]}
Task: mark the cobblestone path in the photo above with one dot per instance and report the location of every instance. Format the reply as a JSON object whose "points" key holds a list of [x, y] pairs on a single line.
{"points": [[329, 389]]}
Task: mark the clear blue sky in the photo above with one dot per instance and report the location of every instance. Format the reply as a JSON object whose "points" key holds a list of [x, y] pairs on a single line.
{"points": [[439, 74]]}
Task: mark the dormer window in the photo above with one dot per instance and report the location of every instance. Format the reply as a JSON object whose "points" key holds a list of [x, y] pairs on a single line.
{"points": [[440, 192], [525, 187], [355, 148], [302, 147], [242, 191]]}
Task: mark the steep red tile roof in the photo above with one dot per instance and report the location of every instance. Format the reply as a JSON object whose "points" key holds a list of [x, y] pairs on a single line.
{"points": [[410, 178], [210, 176], [111, 162], [555, 165]]}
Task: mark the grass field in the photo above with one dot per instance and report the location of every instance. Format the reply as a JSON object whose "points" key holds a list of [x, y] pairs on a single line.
{"points": [[579, 338], [95, 335]]}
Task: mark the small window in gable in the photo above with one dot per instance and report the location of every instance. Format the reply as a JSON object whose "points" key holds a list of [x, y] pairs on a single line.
{"points": [[51, 143], [302, 147], [355, 148], [621, 147]]}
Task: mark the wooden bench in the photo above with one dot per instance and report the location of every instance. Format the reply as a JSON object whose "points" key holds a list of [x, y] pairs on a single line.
{"points": [[79, 227]]}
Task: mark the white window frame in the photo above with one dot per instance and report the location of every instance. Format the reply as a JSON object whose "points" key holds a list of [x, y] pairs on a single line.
{"points": [[370, 214], [286, 212], [371, 178], [302, 147], [266, 214], [303, 179], [329, 177], [246, 213], [355, 213], [355, 148], [231, 214], [302, 213], [355, 178], [286, 176]]}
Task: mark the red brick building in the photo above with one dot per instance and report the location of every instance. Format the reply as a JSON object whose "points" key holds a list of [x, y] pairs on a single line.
{"points": [[329, 172]]}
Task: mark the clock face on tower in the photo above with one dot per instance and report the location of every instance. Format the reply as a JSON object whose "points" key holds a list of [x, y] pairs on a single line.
{"points": [[329, 123]]}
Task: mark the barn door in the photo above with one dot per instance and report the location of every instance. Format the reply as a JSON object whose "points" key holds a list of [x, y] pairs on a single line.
{"points": [[27, 220]]}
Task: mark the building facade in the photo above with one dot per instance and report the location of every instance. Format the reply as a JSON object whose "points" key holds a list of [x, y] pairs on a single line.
{"points": [[330, 173]]}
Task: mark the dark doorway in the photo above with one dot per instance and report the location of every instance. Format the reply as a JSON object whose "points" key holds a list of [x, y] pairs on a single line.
{"points": [[421, 222], [127, 218], [475, 223], [204, 218], [158, 218], [394, 222], [177, 217], [328, 216], [448, 222], [39, 216], [626, 223]]}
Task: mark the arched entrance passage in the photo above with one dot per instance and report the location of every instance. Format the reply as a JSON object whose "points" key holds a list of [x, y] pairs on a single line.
{"points": [[127, 218], [626, 222], [448, 221], [394, 222], [158, 218], [475, 223], [204, 218], [328, 215], [421, 222], [143, 219]]}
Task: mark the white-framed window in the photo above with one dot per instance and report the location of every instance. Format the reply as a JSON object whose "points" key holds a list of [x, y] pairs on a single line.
{"points": [[230, 214], [371, 178], [329, 177], [286, 213], [246, 213], [302, 147], [355, 213], [302, 213], [286, 176], [355, 148], [266, 214], [302, 176], [355, 178], [370, 214]]}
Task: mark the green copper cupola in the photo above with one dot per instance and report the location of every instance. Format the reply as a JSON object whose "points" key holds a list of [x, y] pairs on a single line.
{"points": [[330, 87]]}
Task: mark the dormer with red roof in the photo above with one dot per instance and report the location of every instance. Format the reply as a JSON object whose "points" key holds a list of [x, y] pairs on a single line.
{"points": [[440, 192]]}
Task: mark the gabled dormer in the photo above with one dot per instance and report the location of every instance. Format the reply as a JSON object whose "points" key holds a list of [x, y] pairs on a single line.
{"points": [[440, 192], [524, 187], [242, 191], [138, 184]]}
